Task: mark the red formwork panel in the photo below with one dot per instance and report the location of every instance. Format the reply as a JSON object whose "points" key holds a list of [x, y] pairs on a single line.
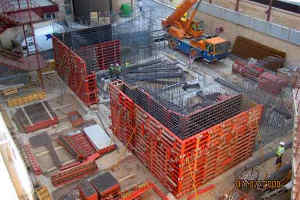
{"points": [[180, 164], [41, 125], [103, 54], [72, 69], [108, 53]]}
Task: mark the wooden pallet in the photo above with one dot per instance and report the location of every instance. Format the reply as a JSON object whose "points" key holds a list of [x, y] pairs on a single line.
{"points": [[10, 91], [43, 193], [18, 101]]}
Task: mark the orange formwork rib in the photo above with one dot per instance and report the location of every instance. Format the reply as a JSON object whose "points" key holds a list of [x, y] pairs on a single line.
{"points": [[143, 188], [177, 162]]}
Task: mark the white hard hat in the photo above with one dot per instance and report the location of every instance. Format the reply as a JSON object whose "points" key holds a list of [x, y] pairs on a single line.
{"points": [[282, 143]]}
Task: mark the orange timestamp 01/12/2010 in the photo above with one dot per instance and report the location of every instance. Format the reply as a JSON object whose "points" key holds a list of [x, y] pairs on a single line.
{"points": [[257, 184]]}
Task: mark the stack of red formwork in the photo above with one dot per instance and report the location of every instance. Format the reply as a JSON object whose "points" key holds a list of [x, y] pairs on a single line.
{"points": [[32, 160], [250, 71], [78, 145], [271, 83], [74, 173], [178, 163], [107, 186]]}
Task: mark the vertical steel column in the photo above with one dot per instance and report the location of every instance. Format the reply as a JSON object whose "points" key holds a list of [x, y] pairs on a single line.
{"points": [[237, 5], [268, 12]]}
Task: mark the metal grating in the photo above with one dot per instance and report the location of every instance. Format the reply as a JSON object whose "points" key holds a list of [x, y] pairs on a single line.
{"points": [[104, 182], [177, 119], [87, 188]]}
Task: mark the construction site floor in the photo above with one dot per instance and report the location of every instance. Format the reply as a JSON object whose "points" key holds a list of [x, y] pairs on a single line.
{"points": [[130, 171], [62, 101], [266, 143]]}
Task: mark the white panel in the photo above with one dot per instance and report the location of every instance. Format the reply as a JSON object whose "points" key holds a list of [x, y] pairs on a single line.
{"points": [[259, 25], [98, 136], [236, 17], [228, 15], [295, 36]]}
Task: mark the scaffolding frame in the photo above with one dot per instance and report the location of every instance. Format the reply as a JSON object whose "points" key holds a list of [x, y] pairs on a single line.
{"points": [[20, 13]]}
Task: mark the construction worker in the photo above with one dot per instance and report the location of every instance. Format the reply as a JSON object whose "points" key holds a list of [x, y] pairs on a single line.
{"points": [[184, 17], [279, 153], [140, 5]]}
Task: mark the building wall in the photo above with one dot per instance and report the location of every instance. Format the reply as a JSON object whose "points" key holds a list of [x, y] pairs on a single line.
{"points": [[15, 166], [83, 8], [66, 6], [257, 10]]}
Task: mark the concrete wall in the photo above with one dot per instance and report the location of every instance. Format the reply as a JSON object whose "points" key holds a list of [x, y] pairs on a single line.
{"points": [[257, 10]]}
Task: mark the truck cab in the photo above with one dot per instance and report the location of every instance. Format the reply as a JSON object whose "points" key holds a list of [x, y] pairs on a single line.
{"points": [[217, 47], [209, 48]]}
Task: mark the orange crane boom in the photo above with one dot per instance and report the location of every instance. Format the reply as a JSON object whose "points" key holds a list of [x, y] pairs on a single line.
{"points": [[178, 13], [190, 20]]}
